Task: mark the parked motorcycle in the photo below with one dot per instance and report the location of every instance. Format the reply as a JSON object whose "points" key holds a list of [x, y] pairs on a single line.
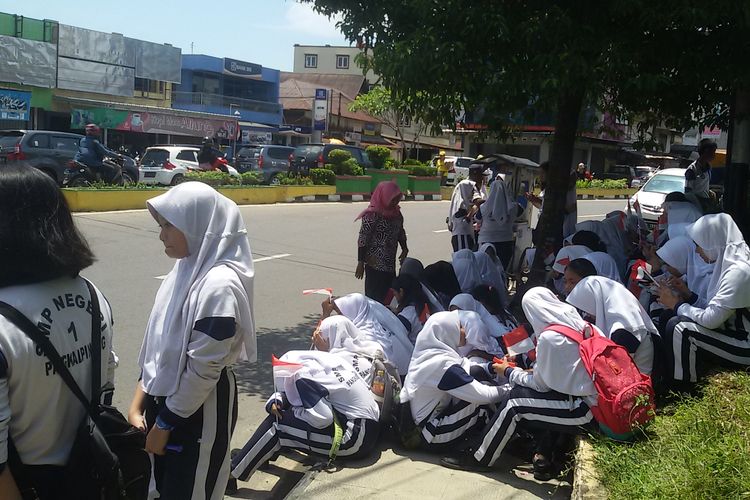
{"points": [[114, 173]]}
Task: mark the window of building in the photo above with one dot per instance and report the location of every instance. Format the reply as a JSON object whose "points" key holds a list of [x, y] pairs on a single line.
{"points": [[342, 61], [152, 86], [311, 60]]}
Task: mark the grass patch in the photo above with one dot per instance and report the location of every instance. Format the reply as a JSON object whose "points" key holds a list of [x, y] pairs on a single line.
{"points": [[697, 447]]}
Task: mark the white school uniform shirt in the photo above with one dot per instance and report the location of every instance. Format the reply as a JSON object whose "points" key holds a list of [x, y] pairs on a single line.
{"points": [[202, 320], [410, 314], [462, 197], [37, 409], [558, 360], [729, 286], [437, 373], [616, 308]]}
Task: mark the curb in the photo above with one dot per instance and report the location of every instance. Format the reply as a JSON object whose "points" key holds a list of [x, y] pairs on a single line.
{"points": [[586, 485], [602, 197], [358, 197]]}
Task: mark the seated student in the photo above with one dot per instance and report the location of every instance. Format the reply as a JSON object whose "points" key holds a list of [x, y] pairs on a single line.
{"points": [[490, 273], [575, 271], [680, 259], [556, 395], [441, 278], [378, 324], [562, 259], [411, 304], [446, 403], [318, 392], [721, 327], [605, 265], [338, 335], [480, 345], [490, 298], [491, 251], [619, 315], [467, 270], [589, 239], [415, 269], [466, 302]]}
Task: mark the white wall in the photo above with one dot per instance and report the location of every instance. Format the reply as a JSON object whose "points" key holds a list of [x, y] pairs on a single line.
{"points": [[327, 60]]}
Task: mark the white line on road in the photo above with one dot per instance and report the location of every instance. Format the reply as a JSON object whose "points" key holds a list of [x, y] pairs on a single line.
{"points": [[441, 231], [262, 259]]}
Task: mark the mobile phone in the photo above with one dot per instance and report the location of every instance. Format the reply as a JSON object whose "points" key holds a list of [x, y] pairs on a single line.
{"points": [[648, 276]]}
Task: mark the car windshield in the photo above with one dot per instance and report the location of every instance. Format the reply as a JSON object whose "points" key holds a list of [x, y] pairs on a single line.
{"points": [[10, 139], [463, 162], [665, 184], [308, 150], [248, 152], [155, 158]]}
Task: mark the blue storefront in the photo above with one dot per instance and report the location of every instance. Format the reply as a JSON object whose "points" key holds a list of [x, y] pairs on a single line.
{"points": [[243, 90]]}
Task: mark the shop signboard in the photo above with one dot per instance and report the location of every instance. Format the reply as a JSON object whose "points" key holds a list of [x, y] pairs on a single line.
{"points": [[153, 123], [320, 112], [15, 105], [242, 68]]}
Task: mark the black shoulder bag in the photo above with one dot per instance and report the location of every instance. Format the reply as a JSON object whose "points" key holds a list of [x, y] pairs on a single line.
{"points": [[108, 460]]}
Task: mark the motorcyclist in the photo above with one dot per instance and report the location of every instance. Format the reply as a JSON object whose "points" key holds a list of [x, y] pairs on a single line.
{"points": [[208, 157], [92, 153]]}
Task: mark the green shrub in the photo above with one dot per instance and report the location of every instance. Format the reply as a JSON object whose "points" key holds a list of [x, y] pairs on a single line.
{"points": [[212, 178], [293, 180], [351, 167], [422, 171], [390, 164], [323, 176], [251, 178], [378, 155], [338, 156], [412, 161], [602, 184]]}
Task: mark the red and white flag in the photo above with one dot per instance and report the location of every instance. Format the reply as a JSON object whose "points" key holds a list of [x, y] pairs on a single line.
{"points": [[284, 369], [319, 291], [518, 341]]}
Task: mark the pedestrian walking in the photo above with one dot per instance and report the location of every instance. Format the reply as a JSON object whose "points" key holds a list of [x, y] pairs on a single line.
{"points": [[380, 235], [42, 254], [201, 323], [465, 201]]}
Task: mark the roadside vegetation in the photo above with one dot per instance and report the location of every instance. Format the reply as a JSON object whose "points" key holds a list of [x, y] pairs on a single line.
{"points": [[698, 447]]}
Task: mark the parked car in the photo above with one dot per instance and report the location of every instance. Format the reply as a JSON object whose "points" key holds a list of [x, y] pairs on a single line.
{"points": [[266, 159], [46, 150], [642, 174], [620, 172], [458, 167], [307, 156], [651, 196], [168, 165]]}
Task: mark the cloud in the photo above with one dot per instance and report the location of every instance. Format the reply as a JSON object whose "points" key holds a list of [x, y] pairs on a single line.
{"points": [[303, 20]]}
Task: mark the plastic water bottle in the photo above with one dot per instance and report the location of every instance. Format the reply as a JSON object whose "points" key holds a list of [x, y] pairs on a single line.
{"points": [[378, 383]]}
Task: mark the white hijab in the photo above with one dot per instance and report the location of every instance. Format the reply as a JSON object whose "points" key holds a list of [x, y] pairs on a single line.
{"points": [[679, 252], [436, 350], [500, 206], [216, 236], [491, 276], [605, 265], [342, 335], [556, 354], [466, 302], [568, 253], [466, 269], [462, 196], [380, 325], [477, 335], [679, 212], [613, 306], [722, 241]]}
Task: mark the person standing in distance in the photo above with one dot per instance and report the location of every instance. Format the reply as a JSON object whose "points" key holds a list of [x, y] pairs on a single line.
{"points": [[43, 253], [442, 168], [465, 201], [202, 323], [698, 173]]}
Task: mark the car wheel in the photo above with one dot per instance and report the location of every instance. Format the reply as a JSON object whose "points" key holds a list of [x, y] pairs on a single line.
{"points": [[177, 179], [274, 181], [127, 179]]}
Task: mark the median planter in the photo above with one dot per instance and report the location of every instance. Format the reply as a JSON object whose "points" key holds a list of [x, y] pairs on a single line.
{"points": [[379, 175], [353, 184], [424, 185]]}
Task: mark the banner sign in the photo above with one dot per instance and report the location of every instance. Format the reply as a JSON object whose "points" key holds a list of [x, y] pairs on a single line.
{"points": [[15, 105], [241, 68], [153, 123], [320, 111]]}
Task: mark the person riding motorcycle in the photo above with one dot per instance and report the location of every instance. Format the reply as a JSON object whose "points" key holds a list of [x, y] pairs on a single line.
{"points": [[208, 157], [92, 153]]}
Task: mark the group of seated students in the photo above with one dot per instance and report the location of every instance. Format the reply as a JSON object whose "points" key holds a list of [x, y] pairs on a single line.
{"points": [[676, 301]]}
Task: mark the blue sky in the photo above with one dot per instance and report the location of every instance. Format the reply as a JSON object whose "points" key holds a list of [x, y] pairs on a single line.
{"points": [[258, 31]]}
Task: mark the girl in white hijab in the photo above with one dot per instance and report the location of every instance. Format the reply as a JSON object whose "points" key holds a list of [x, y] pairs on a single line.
{"points": [[681, 258], [619, 315], [317, 392], [466, 269], [490, 274], [460, 216], [446, 402], [380, 325], [605, 265], [499, 213], [558, 393], [201, 323], [480, 346], [466, 302], [720, 328]]}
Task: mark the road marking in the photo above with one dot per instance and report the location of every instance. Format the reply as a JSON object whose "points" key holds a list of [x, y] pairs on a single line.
{"points": [[441, 231], [262, 259]]}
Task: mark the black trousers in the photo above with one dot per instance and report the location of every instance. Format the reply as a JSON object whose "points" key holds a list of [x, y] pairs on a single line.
{"points": [[463, 242], [504, 251], [377, 283]]}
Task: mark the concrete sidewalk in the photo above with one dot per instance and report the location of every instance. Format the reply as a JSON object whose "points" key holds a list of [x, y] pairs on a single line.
{"points": [[395, 474]]}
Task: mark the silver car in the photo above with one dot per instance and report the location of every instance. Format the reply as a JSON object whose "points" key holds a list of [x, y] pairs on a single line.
{"points": [[651, 196]]}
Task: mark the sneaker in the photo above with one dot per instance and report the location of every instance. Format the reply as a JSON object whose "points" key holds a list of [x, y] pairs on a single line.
{"points": [[543, 470], [465, 462]]}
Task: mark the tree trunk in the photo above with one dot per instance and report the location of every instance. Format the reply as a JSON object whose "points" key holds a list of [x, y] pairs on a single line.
{"points": [[549, 229], [737, 174]]}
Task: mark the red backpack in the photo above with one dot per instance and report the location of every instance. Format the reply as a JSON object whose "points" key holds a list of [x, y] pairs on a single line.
{"points": [[625, 395]]}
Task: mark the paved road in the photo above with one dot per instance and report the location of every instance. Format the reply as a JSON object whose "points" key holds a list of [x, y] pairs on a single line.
{"points": [[296, 246]]}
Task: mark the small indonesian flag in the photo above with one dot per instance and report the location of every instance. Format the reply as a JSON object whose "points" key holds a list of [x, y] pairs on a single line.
{"points": [[284, 369], [319, 291], [518, 341]]}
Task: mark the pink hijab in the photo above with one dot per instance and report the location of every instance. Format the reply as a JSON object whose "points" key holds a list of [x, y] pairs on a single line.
{"points": [[384, 193]]}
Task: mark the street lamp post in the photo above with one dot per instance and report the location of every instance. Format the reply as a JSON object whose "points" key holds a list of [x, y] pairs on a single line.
{"points": [[237, 115]]}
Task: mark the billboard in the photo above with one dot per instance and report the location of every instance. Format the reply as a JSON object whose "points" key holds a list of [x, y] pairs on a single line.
{"points": [[15, 105], [153, 123], [320, 109]]}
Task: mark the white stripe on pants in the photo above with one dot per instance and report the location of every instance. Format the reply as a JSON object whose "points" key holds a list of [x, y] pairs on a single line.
{"points": [[685, 341], [452, 423], [546, 409]]}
